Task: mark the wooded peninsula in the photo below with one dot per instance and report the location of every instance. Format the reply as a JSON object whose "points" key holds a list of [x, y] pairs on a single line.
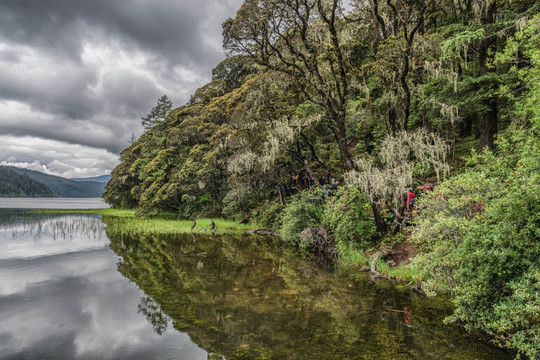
{"points": [[395, 124]]}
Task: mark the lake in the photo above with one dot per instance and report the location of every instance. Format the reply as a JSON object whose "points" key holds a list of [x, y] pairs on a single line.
{"points": [[70, 288], [52, 203]]}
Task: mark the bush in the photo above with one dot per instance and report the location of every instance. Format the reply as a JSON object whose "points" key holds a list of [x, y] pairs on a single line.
{"points": [[480, 237], [239, 202], [344, 218], [347, 216], [302, 211], [269, 215]]}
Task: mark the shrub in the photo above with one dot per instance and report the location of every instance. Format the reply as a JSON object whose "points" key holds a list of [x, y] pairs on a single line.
{"points": [[303, 210], [481, 242], [239, 202], [269, 215], [347, 216]]}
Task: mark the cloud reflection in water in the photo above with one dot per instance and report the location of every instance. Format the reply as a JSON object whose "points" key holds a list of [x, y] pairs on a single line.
{"points": [[61, 297]]}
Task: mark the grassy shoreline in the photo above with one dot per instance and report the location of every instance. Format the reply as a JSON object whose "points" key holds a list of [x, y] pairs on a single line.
{"points": [[162, 224], [168, 224]]}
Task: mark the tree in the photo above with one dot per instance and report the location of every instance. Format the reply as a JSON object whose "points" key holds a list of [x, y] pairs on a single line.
{"points": [[477, 30], [132, 138], [395, 27], [304, 41], [158, 113], [399, 156]]}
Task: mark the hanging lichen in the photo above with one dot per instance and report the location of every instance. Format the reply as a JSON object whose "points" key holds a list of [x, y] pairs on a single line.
{"points": [[398, 156]]}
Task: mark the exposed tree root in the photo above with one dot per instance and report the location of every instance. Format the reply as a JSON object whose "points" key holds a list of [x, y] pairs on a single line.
{"points": [[374, 273]]}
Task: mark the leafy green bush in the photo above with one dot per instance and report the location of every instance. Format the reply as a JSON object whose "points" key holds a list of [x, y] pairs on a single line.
{"points": [[481, 241], [480, 232], [347, 216], [303, 210], [269, 215], [239, 202]]}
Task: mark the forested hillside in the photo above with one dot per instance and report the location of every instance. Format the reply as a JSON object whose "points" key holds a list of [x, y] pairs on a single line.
{"points": [[62, 187], [99, 179], [16, 185], [318, 122]]}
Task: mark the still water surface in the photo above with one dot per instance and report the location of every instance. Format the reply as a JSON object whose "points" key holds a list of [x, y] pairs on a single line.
{"points": [[71, 288], [61, 296], [52, 203]]}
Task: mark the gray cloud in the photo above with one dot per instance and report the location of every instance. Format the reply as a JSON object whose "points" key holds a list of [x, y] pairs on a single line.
{"points": [[85, 72], [167, 28]]}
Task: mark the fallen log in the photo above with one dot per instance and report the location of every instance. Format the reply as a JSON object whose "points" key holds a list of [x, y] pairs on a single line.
{"points": [[264, 232]]}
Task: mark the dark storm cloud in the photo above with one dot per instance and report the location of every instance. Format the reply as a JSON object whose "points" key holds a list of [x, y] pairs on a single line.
{"points": [[169, 28], [85, 72], [170, 32]]}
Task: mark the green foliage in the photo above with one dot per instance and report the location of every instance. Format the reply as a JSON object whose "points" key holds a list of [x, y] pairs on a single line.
{"points": [[239, 202], [303, 210], [458, 43], [379, 99], [125, 222], [269, 214], [481, 241], [480, 230], [13, 184], [62, 187], [347, 216]]}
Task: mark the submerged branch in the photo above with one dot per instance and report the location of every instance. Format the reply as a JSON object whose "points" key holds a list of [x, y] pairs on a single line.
{"points": [[264, 232]]}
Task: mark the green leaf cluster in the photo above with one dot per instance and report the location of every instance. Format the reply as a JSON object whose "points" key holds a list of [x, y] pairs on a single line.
{"points": [[345, 214]]}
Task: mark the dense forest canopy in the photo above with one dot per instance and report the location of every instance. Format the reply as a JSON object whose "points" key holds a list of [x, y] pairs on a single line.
{"points": [[391, 95]]}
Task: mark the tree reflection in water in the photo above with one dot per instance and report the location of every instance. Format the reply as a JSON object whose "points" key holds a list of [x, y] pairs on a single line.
{"points": [[248, 297], [152, 311]]}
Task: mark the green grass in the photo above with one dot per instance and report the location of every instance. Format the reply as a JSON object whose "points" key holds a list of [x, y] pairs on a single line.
{"points": [[402, 273], [156, 226], [125, 222]]}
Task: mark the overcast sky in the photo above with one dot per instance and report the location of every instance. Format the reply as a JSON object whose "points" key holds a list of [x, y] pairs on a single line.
{"points": [[76, 76]]}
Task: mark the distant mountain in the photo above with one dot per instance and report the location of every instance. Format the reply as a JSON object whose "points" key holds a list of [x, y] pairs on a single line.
{"points": [[62, 187], [13, 184], [99, 179]]}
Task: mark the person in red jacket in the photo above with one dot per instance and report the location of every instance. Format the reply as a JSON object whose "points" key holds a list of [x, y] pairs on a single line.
{"points": [[410, 199]]}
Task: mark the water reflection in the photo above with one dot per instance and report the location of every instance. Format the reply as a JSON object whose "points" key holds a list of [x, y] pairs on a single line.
{"points": [[34, 235], [64, 294], [240, 297], [61, 296]]}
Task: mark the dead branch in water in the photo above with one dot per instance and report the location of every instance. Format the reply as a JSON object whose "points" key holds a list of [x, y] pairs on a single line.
{"points": [[264, 232]]}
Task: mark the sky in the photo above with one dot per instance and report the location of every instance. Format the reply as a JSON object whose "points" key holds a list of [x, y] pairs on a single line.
{"points": [[76, 76]]}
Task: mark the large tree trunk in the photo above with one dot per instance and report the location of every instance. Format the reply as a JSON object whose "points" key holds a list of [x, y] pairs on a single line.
{"points": [[488, 119], [379, 222], [337, 125]]}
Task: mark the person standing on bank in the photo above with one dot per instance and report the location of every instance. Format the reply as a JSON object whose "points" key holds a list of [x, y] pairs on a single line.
{"points": [[410, 200]]}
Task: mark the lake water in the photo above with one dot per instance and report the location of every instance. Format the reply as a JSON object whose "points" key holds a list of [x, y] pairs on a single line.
{"points": [[70, 288], [52, 203]]}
